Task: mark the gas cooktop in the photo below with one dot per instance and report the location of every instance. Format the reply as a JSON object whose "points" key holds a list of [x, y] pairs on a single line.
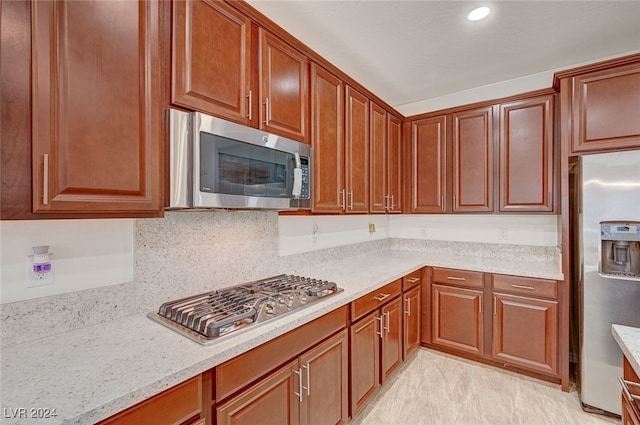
{"points": [[209, 316]]}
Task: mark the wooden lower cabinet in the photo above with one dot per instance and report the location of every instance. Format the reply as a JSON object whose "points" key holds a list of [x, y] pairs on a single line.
{"points": [[525, 332], [312, 389], [411, 322], [457, 318], [391, 349], [630, 395]]}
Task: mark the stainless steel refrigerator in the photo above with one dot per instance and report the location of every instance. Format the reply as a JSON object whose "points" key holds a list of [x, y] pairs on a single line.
{"points": [[608, 230]]}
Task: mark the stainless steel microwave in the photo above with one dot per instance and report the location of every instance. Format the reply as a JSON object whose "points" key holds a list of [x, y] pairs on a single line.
{"points": [[215, 163]]}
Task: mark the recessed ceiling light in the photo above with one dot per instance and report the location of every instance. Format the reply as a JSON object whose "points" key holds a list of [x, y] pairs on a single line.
{"points": [[478, 13]]}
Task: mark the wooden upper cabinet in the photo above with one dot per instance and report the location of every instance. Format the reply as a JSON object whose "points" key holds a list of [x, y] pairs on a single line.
{"points": [[526, 155], [473, 160], [211, 59], [378, 157], [357, 151], [327, 140], [97, 107], [427, 165], [605, 109], [394, 164], [284, 88]]}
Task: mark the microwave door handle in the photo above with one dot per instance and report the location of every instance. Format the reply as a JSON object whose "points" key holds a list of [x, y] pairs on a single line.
{"points": [[297, 177]]}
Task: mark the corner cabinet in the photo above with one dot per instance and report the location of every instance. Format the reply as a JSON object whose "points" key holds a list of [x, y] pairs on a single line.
{"points": [[97, 123], [526, 155]]}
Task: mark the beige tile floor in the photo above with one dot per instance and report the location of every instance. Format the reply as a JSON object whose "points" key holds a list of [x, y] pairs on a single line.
{"points": [[433, 388]]}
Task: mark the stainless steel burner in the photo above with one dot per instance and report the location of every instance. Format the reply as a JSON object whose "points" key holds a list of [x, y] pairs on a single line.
{"points": [[208, 316]]}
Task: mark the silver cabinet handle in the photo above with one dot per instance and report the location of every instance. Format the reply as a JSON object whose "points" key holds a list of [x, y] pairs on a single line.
{"points": [[307, 367], [351, 201], [343, 205], [382, 297], [393, 205], [386, 202], [299, 394], [462, 279], [379, 319], [249, 97], [408, 311], [45, 180], [530, 288], [386, 315], [266, 111], [413, 280]]}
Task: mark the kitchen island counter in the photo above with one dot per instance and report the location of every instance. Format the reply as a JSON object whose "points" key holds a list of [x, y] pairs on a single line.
{"points": [[91, 373]]}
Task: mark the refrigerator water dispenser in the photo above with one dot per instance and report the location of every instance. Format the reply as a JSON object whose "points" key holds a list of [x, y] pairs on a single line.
{"points": [[620, 250]]}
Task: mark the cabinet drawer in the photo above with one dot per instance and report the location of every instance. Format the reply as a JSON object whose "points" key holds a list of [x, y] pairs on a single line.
{"points": [[173, 406], [375, 299], [458, 277], [411, 280], [525, 285]]}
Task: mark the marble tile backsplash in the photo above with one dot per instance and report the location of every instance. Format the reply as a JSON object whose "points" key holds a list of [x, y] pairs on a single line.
{"points": [[190, 252]]}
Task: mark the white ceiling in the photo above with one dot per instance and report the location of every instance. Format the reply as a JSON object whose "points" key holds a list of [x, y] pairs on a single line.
{"points": [[409, 51]]}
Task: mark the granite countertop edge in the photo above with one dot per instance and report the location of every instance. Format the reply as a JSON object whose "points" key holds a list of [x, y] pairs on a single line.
{"points": [[628, 338], [94, 372]]}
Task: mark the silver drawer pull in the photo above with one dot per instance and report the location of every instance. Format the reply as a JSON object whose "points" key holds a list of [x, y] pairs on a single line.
{"points": [[386, 314], [530, 288], [456, 278], [379, 319], [299, 394], [414, 280], [382, 297]]}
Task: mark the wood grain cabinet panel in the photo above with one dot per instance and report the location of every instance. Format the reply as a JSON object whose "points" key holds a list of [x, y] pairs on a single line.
{"points": [[175, 406], [394, 164], [211, 59], [427, 172], [392, 339], [411, 320], [457, 318], [378, 195], [327, 106], [364, 362], [605, 109], [357, 151], [630, 408], [271, 402], [97, 107], [473, 160], [526, 155], [525, 332], [284, 86]]}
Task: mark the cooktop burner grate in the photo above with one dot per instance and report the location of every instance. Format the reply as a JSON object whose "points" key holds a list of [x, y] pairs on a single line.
{"points": [[207, 316]]}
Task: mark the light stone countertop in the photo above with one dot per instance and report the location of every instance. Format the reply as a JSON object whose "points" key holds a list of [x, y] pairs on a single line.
{"points": [[91, 373], [628, 338]]}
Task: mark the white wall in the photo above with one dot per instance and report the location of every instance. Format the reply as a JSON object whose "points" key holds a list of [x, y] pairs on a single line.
{"points": [[85, 254], [296, 233]]}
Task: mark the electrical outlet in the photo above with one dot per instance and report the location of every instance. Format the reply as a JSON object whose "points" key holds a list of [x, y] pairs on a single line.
{"points": [[503, 234], [372, 228]]}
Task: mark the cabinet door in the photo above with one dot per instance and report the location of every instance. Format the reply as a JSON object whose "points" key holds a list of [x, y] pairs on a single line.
{"points": [[394, 164], [211, 59], [473, 152], [526, 155], [412, 319], [364, 362], [428, 165], [378, 155], [457, 318], [327, 141], [325, 377], [284, 76], [97, 107], [357, 151], [525, 332], [272, 401], [605, 110], [391, 354]]}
